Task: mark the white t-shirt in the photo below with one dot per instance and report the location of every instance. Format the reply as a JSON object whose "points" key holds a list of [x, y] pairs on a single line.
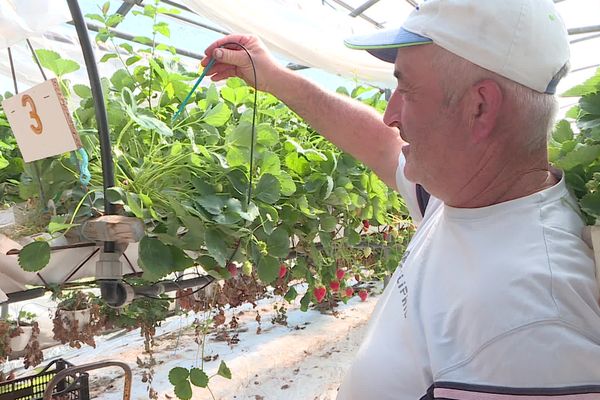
{"points": [[488, 303]]}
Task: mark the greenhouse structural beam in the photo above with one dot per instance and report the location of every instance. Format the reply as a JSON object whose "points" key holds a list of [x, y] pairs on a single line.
{"points": [[127, 36], [132, 3], [584, 29], [362, 8], [351, 9], [127, 6]]}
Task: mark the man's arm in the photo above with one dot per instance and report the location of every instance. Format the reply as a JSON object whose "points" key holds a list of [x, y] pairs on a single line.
{"points": [[352, 126]]}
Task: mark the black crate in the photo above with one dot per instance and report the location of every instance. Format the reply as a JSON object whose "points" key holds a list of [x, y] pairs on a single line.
{"points": [[73, 387]]}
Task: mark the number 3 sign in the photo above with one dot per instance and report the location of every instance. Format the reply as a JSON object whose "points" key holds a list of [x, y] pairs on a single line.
{"points": [[41, 122]]}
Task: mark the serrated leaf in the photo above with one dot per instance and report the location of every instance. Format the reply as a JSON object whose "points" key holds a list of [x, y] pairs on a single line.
{"points": [[562, 131], [216, 246], [268, 189], [198, 377], [224, 370], [589, 86], [183, 391], [266, 135], [178, 375], [268, 269], [590, 203], [581, 155], [217, 116], [156, 257], [278, 243], [34, 256]]}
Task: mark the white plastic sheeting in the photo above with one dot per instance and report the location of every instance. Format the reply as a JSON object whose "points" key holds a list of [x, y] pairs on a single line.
{"points": [[20, 19], [305, 32]]}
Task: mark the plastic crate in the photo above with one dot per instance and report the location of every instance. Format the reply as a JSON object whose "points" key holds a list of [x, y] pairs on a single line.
{"points": [[73, 387]]}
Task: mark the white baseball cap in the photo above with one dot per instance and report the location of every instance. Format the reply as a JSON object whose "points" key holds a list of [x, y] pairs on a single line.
{"points": [[523, 40]]}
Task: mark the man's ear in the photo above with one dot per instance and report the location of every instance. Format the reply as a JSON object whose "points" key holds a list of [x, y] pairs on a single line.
{"points": [[485, 103]]}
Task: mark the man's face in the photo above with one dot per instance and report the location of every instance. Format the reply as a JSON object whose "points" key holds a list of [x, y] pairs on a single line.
{"points": [[429, 126]]}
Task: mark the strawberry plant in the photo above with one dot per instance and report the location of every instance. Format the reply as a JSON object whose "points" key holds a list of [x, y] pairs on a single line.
{"points": [[578, 153]]}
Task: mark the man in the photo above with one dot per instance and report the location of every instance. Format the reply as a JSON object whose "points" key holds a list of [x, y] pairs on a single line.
{"points": [[496, 296]]}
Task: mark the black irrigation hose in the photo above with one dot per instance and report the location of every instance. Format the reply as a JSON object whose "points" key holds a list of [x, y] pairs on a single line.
{"points": [[108, 174]]}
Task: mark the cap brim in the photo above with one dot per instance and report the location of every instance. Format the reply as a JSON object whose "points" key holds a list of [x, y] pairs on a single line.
{"points": [[384, 44]]}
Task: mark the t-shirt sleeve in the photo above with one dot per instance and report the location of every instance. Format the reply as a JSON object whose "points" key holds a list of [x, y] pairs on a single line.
{"points": [[408, 191], [544, 359]]}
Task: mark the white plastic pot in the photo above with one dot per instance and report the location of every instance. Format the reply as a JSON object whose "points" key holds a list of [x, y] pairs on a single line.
{"points": [[18, 343], [81, 316]]}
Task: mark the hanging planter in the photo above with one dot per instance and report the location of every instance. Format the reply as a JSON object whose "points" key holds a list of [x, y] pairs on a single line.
{"points": [[76, 320]]}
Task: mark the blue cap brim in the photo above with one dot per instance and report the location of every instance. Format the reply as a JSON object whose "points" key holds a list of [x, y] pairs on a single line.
{"points": [[384, 44]]}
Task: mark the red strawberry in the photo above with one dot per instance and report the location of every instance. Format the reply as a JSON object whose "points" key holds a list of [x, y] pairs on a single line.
{"points": [[334, 285], [349, 292], [385, 236], [339, 273], [232, 269], [362, 294], [319, 293], [282, 270], [366, 224]]}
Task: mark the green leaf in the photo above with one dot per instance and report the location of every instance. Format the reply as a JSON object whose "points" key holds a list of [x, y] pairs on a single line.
{"points": [[268, 189], [135, 205], [162, 28], [581, 155], [114, 20], [224, 370], [156, 257], [34, 256], [291, 295], [216, 246], [127, 47], [590, 103], [590, 203], [288, 187], [278, 243], [268, 269], [116, 195], [51, 60], [183, 391], [270, 163], [266, 135], [217, 115], [212, 203], [198, 377], [589, 86], [328, 222], [54, 227], [178, 375], [240, 135], [82, 91], [562, 131], [143, 40]]}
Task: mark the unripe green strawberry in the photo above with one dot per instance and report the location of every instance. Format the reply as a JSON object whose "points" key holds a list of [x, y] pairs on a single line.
{"points": [[247, 268]]}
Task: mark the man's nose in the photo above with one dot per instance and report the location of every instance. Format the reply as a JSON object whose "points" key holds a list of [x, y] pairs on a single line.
{"points": [[392, 112]]}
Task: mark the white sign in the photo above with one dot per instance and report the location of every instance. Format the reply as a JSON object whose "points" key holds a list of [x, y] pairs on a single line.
{"points": [[41, 123]]}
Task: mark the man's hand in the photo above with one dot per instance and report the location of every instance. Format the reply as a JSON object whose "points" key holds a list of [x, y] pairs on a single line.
{"points": [[232, 60]]}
